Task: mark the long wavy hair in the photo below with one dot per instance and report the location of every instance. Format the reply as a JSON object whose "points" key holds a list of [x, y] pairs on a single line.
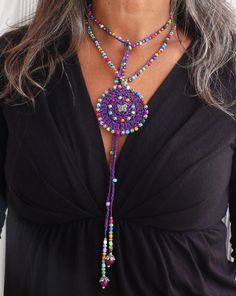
{"points": [[34, 48]]}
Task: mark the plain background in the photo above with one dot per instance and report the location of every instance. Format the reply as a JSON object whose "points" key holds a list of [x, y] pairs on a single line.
{"points": [[12, 11]]}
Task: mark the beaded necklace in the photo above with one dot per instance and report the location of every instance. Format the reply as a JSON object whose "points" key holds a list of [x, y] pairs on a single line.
{"points": [[120, 110]]}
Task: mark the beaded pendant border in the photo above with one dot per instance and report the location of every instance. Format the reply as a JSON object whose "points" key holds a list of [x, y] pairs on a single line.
{"points": [[121, 110]]}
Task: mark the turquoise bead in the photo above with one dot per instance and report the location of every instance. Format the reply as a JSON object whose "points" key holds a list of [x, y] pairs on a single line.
{"points": [[114, 180]]}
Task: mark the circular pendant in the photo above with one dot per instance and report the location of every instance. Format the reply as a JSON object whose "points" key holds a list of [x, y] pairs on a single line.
{"points": [[121, 110]]}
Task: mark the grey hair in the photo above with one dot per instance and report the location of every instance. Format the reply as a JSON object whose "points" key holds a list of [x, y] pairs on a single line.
{"points": [[210, 23]]}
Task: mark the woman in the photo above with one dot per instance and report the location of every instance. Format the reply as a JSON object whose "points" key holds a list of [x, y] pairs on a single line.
{"points": [[116, 180]]}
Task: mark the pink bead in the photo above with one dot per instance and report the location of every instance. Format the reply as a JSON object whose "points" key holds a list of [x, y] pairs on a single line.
{"points": [[104, 284], [110, 262], [104, 281]]}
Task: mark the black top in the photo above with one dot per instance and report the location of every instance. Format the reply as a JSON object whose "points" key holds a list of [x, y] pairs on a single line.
{"points": [[173, 190]]}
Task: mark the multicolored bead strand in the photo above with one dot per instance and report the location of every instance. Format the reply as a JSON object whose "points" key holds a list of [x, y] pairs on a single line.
{"points": [[128, 49], [120, 110], [109, 259]]}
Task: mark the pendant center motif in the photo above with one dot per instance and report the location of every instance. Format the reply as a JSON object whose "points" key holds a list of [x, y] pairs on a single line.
{"points": [[121, 110]]}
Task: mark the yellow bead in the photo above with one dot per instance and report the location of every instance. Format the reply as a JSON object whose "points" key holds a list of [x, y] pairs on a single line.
{"points": [[110, 236], [136, 128]]}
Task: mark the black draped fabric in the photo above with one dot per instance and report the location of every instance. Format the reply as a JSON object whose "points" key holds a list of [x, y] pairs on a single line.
{"points": [[175, 179]]}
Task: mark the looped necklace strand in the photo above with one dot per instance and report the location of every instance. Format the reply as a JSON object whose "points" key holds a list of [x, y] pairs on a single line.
{"points": [[120, 110], [129, 46]]}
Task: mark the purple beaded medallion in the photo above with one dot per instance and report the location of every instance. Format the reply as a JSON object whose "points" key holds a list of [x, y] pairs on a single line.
{"points": [[121, 110]]}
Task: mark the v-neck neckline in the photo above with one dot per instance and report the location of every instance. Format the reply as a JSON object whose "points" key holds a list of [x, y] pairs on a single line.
{"points": [[150, 103]]}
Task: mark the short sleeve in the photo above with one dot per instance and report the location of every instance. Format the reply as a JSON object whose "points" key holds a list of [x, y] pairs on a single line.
{"points": [[3, 143], [232, 187], [232, 207]]}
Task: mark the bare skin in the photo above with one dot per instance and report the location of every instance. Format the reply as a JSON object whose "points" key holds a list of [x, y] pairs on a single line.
{"points": [[143, 20]]}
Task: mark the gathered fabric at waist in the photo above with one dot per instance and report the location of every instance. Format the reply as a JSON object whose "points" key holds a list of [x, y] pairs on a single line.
{"points": [[171, 263], [59, 211]]}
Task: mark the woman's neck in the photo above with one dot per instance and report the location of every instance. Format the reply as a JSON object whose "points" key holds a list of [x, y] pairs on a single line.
{"points": [[133, 19]]}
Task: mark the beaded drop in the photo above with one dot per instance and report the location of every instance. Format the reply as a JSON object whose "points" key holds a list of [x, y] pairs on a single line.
{"points": [[120, 110]]}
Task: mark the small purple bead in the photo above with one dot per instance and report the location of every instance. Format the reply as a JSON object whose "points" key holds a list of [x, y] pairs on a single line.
{"points": [[110, 259]]}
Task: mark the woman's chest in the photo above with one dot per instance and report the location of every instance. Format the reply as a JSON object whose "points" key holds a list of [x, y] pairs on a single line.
{"points": [[180, 159]]}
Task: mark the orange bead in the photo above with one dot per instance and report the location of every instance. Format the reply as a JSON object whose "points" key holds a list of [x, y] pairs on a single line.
{"points": [[122, 120], [127, 99], [103, 257]]}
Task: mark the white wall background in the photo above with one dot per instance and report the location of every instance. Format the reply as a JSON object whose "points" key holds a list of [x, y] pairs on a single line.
{"points": [[12, 11]]}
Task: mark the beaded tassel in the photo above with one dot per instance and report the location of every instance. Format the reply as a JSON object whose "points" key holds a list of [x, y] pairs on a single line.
{"points": [[109, 259]]}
